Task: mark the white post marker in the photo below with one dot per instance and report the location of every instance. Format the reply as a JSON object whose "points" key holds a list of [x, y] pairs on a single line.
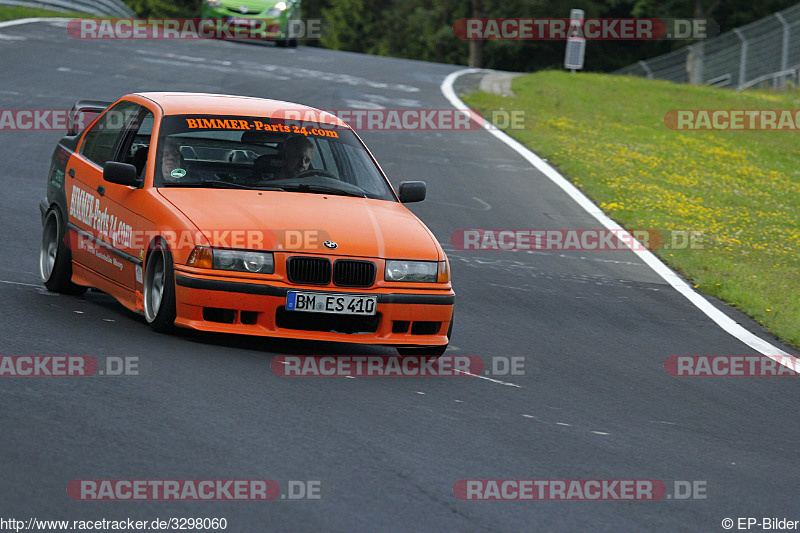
{"points": [[576, 42]]}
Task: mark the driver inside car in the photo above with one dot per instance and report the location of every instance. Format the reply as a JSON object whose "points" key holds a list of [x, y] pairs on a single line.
{"points": [[297, 154], [171, 160]]}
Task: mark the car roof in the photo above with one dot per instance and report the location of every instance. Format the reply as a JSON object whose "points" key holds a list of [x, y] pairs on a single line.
{"points": [[177, 103]]}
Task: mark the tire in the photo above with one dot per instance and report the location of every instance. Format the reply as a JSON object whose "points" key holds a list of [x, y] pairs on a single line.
{"points": [[55, 258], [286, 42], [159, 289], [429, 350]]}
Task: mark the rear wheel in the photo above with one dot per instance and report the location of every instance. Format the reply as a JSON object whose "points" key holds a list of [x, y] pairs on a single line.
{"points": [[159, 289], [55, 258]]}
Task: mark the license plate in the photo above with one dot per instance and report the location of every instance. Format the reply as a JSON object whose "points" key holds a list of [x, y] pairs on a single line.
{"points": [[241, 21], [340, 304]]}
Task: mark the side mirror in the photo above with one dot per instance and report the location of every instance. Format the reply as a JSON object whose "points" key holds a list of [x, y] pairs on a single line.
{"points": [[412, 191], [120, 173]]}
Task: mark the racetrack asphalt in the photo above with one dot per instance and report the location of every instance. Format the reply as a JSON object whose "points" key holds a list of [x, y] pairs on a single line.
{"points": [[594, 329]]}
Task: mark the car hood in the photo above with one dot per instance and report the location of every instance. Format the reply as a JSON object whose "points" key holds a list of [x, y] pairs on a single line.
{"points": [[302, 222]]}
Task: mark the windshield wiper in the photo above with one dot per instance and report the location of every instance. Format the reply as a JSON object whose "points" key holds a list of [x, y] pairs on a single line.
{"points": [[231, 185], [322, 189], [221, 185]]}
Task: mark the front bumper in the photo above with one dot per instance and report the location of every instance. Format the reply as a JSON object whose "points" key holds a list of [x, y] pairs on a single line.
{"points": [[403, 317], [276, 27]]}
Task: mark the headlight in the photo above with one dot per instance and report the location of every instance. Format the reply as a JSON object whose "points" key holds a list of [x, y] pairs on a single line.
{"points": [[235, 260], [414, 271], [242, 261], [277, 9]]}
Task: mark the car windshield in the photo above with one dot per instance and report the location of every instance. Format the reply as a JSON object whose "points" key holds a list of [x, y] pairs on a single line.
{"points": [[258, 153]]}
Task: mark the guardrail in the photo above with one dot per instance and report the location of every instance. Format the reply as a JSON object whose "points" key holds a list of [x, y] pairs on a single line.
{"points": [[776, 79], [765, 50], [105, 8]]}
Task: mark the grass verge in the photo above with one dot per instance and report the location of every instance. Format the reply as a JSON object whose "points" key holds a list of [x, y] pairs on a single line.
{"points": [[738, 191], [19, 12]]}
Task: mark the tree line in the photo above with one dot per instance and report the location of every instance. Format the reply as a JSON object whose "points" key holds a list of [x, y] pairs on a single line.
{"points": [[423, 29]]}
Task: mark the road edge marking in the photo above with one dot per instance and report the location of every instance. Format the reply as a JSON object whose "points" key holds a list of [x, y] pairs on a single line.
{"points": [[17, 22], [721, 319]]}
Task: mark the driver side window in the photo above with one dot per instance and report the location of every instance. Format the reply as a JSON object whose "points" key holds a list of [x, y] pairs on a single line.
{"points": [[136, 145], [101, 143]]}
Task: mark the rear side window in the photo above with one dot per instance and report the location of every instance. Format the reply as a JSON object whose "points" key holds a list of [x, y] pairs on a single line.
{"points": [[101, 142]]}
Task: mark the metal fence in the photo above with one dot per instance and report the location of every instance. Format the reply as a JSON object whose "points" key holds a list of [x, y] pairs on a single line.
{"points": [[102, 8], [764, 52]]}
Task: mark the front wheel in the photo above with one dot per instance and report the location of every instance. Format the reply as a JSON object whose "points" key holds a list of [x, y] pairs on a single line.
{"points": [[286, 42], [55, 258], [159, 289]]}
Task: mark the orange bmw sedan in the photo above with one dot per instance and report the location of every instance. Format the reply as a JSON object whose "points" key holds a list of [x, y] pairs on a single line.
{"points": [[242, 215]]}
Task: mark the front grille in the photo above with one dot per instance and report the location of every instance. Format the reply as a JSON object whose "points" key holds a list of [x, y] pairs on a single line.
{"points": [[425, 328], [317, 271], [400, 326], [247, 11], [215, 314], [349, 324], [348, 273], [311, 270]]}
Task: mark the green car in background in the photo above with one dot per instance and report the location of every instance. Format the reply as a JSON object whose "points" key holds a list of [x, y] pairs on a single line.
{"points": [[245, 10]]}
